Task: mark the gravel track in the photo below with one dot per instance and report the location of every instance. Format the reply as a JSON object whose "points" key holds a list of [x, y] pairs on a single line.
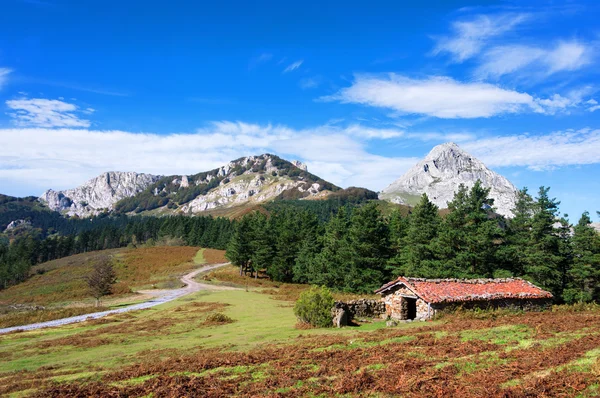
{"points": [[162, 296]]}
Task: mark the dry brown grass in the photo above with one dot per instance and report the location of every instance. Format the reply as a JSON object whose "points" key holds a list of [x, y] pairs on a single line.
{"points": [[214, 256], [415, 362], [151, 265], [28, 317]]}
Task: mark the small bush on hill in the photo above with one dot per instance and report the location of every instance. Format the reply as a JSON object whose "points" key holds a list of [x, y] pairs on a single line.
{"points": [[314, 307], [217, 318]]}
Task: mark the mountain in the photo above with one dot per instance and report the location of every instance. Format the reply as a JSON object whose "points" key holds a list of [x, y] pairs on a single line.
{"points": [[97, 194], [245, 181], [440, 174]]}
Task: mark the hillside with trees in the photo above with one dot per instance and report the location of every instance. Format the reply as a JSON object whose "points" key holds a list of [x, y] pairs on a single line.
{"points": [[347, 242], [359, 249]]}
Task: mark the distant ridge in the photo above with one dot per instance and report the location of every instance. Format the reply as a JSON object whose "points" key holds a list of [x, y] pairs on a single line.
{"points": [[245, 181]]}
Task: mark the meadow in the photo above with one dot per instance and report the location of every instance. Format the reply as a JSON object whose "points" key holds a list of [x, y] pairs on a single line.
{"points": [[58, 289], [244, 341]]}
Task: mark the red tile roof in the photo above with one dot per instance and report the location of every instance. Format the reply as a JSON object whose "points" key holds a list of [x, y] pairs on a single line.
{"points": [[456, 290]]}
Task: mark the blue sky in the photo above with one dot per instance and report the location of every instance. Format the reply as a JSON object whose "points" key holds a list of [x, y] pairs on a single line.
{"points": [[357, 90]]}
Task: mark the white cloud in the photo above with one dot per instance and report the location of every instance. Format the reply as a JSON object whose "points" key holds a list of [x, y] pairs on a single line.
{"points": [[441, 97], [594, 108], [41, 158], [259, 59], [310, 82], [40, 112], [293, 66], [563, 56], [62, 158], [3, 76], [470, 36], [556, 149]]}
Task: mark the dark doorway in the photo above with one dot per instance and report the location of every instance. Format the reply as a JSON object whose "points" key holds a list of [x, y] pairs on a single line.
{"points": [[411, 308]]}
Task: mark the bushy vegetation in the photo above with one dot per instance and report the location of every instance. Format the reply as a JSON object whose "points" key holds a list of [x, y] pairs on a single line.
{"points": [[314, 307]]}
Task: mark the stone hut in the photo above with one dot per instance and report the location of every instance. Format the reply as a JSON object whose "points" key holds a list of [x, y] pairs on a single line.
{"points": [[420, 299]]}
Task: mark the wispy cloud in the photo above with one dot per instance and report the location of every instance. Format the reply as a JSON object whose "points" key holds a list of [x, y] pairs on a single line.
{"points": [[562, 56], [538, 152], [259, 59], [293, 66], [40, 112], [469, 36], [3, 76], [79, 87], [310, 82], [443, 97]]}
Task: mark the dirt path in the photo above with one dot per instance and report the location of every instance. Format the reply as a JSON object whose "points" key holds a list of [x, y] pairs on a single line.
{"points": [[160, 297]]}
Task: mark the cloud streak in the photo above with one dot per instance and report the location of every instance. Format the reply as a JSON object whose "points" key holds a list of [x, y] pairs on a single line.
{"points": [[563, 56], [293, 66], [469, 36], [443, 97], [560, 148], [40, 112], [4, 72]]}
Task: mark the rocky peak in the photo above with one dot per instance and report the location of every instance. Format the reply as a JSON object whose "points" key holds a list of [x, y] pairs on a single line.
{"points": [[97, 194], [441, 172], [300, 165]]}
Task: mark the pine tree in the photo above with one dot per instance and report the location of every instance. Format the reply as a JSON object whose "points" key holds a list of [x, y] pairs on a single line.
{"points": [[584, 275], [417, 254], [470, 235], [368, 237], [239, 249], [542, 253], [332, 264]]}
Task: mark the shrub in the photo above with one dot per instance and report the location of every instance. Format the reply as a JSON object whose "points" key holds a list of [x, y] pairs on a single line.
{"points": [[217, 318], [314, 307]]}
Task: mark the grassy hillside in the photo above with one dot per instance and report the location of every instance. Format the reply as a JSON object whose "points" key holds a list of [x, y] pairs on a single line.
{"points": [[172, 350], [59, 286]]}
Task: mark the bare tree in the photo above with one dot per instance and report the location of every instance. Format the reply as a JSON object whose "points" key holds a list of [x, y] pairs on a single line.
{"points": [[101, 279]]}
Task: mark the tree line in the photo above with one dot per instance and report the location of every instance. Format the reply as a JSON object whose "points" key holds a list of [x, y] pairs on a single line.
{"points": [[358, 248], [37, 245]]}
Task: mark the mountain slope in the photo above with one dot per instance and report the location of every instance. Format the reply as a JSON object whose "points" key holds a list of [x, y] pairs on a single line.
{"points": [[441, 172], [245, 181]]}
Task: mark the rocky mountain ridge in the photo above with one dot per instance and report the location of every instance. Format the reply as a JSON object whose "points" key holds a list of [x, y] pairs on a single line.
{"points": [[248, 180], [441, 172], [98, 194]]}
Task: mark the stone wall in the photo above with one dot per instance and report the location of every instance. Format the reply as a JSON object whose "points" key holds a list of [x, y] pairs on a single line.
{"points": [[344, 312]]}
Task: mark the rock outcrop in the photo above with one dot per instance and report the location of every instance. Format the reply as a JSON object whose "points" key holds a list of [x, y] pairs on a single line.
{"points": [[251, 186], [440, 174], [98, 194], [17, 224]]}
